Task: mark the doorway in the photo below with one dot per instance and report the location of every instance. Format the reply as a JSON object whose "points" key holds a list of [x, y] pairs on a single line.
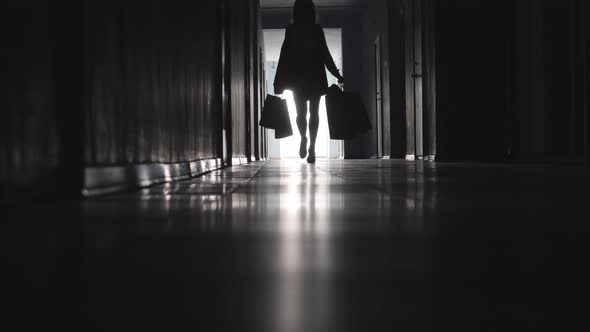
{"points": [[289, 147]]}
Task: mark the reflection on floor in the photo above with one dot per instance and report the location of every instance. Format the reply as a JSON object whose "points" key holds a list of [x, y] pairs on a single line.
{"points": [[339, 246]]}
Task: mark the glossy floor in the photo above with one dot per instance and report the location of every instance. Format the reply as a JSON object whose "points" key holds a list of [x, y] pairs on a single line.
{"points": [[336, 246]]}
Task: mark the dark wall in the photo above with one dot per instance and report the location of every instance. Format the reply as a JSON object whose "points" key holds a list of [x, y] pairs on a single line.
{"points": [[109, 83], [585, 12], [376, 24], [527, 44], [511, 80], [564, 72], [29, 135], [549, 55], [151, 81], [471, 57]]}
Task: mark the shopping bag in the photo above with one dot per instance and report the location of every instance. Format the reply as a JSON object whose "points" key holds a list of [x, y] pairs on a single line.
{"points": [[347, 115], [275, 115]]}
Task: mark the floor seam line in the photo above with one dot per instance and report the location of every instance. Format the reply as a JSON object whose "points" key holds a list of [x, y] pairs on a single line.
{"points": [[247, 182]]}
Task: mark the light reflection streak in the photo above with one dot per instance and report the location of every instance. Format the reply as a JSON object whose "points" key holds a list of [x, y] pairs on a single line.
{"points": [[167, 175], [304, 252]]}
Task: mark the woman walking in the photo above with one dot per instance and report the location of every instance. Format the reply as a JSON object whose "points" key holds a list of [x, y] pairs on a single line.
{"points": [[301, 69]]}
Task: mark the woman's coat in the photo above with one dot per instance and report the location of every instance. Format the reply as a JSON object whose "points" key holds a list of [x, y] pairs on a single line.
{"points": [[303, 62]]}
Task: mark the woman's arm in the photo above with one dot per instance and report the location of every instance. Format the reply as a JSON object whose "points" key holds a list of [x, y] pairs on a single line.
{"points": [[288, 37], [327, 57]]}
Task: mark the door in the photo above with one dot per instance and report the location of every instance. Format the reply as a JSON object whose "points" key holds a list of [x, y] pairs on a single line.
{"points": [[409, 63], [378, 97], [414, 77], [429, 79]]}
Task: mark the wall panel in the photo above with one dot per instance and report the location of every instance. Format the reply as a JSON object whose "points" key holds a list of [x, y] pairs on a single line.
{"points": [[121, 84], [375, 23], [29, 135], [547, 90], [471, 80], [151, 81], [238, 48]]}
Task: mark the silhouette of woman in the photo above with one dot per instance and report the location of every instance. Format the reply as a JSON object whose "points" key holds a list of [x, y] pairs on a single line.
{"points": [[301, 69]]}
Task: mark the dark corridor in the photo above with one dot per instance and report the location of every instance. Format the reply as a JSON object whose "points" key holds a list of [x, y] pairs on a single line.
{"points": [[137, 192]]}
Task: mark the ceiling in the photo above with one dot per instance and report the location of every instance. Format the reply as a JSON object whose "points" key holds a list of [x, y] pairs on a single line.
{"points": [[318, 3]]}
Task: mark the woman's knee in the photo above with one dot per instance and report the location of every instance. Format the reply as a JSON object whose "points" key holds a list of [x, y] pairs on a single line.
{"points": [[314, 105]]}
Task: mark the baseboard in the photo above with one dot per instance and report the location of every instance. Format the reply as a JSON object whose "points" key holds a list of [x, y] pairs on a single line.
{"points": [[112, 179], [412, 157], [239, 161]]}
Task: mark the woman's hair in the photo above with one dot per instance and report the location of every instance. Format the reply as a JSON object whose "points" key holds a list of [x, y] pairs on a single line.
{"points": [[304, 12]]}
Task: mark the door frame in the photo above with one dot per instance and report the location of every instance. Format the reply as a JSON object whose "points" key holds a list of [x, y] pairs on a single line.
{"points": [[248, 79], [225, 119], [419, 76]]}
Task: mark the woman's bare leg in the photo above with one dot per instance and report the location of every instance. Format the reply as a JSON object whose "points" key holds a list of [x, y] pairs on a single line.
{"points": [[301, 106], [314, 124]]}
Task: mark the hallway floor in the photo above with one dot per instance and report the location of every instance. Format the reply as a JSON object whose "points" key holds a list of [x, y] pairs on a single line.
{"points": [[338, 246]]}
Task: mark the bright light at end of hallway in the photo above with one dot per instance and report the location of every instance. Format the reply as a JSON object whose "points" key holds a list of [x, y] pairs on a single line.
{"points": [[290, 145]]}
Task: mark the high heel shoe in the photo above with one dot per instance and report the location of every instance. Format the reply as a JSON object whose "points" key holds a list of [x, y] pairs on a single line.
{"points": [[311, 157], [303, 148]]}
